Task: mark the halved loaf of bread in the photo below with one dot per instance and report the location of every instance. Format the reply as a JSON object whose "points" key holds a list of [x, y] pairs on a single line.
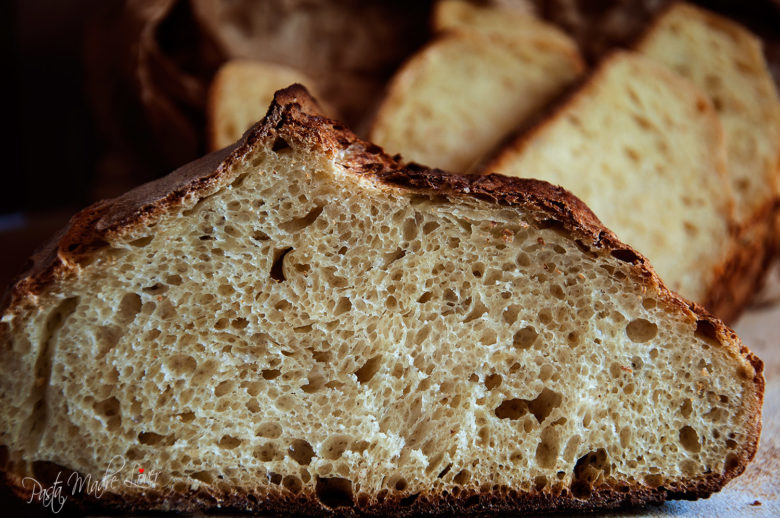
{"points": [[726, 62], [300, 323], [240, 94], [644, 149], [494, 18], [456, 99]]}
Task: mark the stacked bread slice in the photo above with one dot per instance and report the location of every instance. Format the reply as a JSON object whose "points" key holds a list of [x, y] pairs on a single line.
{"points": [[460, 15], [644, 149], [240, 94], [726, 62], [463, 93], [302, 324]]}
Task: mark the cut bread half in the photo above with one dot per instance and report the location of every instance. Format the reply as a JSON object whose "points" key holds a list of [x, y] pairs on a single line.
{"points": [[300, 323], [462, 15], [456, 99], [240, 94], [644, 149], [726, 62]]}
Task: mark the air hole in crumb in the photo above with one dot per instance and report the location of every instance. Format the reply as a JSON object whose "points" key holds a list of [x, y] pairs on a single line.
{"points": [[462, 477], [207, 477], [182, 364], [334, 492], [270, 374], [292, 483], [298, 224], [269, 430], [335, 447], [589, 470], [686, 409], [277, 268], [142, 241], [430, 227], [259, 235], [478, 310], [705, 330], [129, 307], [524, 338], [343, 306], [689, 439], [301, 452], [443, 472], [492, 381], [425, 297], [547, 451], [150, 438], [229, 442], [266, 452], [732, 462], [641, 330], [400, 484], [280, 144], [625, 255], [223, 388], [369, 369], [391, 257]]}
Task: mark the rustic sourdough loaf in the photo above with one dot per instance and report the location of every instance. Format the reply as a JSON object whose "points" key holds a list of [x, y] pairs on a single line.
{"points": [[726, 62], [458, 97], [644, 149], [300, 323], [240, 94]]}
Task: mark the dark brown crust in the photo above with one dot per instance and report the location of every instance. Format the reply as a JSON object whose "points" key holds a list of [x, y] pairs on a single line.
{"points": [[294, 116]]}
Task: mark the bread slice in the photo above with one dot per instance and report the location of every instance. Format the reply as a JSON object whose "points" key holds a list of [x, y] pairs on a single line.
{"points": [[726, 62], [300, 323], [456, 99], [462, 15], [240, 94], [644, 149]]}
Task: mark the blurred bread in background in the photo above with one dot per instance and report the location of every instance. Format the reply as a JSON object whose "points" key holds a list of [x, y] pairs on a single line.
{"points": [[240, 94], [458, 97], [643, 147], [726, 62]]}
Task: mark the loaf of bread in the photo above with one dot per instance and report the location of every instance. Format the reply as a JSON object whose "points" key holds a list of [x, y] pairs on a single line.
{"points": [[239, 96], [457, 98], [725, 61], [300, 323], [644, 149]]}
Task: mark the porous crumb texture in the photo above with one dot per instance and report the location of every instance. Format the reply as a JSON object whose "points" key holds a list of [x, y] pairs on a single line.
{"points": [[303, 329], [726, 62], [644, 149], [456, 99]]}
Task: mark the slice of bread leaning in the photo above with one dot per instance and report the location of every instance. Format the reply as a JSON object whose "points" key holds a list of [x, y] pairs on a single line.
{"points": [[457, 98], [300, 323], [509, 20], [726, 62], [239, 96], [644, 149]]}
